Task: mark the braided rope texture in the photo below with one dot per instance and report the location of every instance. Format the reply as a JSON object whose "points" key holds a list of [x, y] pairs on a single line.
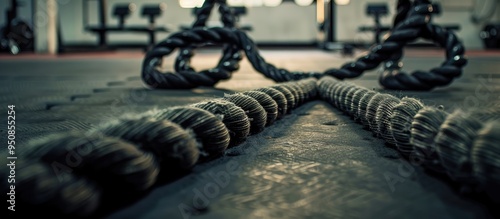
{"points": [[460, 145], [231, 55], [410, 25], [72, 173]]}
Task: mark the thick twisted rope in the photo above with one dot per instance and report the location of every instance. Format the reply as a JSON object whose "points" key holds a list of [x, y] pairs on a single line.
{"points": [[72, 172], [443, 75], [461, 145], [410, 24], [231, 55]]}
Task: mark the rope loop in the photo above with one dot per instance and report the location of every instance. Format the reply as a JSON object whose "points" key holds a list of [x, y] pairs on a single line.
{"points": [[413, 21]]}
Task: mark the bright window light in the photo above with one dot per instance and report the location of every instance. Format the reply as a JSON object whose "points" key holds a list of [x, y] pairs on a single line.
{"points": [[254, 3], [304, 2], [342, 2], [191, 3], [272, 3], [236, 2]]}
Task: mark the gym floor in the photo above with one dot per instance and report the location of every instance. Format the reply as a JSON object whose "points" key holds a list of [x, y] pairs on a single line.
{"points": [[314, 163]]}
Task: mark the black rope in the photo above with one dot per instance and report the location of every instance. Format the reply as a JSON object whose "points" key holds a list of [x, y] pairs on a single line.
{"points": [[394, 78], [231, 55], [72, 173], [412, 22]]}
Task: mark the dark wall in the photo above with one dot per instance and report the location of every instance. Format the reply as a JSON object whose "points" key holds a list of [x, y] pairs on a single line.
{"points": [[24, 12]]}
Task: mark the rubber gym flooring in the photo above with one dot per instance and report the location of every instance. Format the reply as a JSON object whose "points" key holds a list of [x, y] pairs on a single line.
{"points": [[314, 163]]}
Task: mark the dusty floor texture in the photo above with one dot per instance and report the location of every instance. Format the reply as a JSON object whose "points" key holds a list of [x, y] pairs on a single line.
{"points": [[314, 163]]}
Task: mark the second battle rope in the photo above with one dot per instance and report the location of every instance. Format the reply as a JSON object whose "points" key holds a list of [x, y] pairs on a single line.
{"points": [[412, 22], [462, 145]]}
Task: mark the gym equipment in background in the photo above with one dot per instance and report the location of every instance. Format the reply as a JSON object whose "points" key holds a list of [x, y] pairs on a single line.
{"points": [[328, 27], [16, 35], [483, 11], [122, 11], [491, 36], [237, 12], [376, 10], [152, 12]]}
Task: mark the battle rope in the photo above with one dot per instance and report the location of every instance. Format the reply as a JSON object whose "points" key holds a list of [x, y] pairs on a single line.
{"points": [[72, 172], [462, 145], [410, 24], [231, 55]]}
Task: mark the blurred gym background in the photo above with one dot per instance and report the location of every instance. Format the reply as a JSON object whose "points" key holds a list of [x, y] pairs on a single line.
{"points": [[65, 25], [73, 65]]}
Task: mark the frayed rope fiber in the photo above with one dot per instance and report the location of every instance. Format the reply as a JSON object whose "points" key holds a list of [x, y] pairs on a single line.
{"points": [[462, 145], [71, 173]]}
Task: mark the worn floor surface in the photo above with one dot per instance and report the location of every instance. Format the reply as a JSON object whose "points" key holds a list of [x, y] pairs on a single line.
{"points": [[314, 163]]}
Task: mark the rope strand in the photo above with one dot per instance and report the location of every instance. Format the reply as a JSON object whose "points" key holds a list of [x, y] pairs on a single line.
{"points": [[461, 145], [412, 22], [132, 152]]}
